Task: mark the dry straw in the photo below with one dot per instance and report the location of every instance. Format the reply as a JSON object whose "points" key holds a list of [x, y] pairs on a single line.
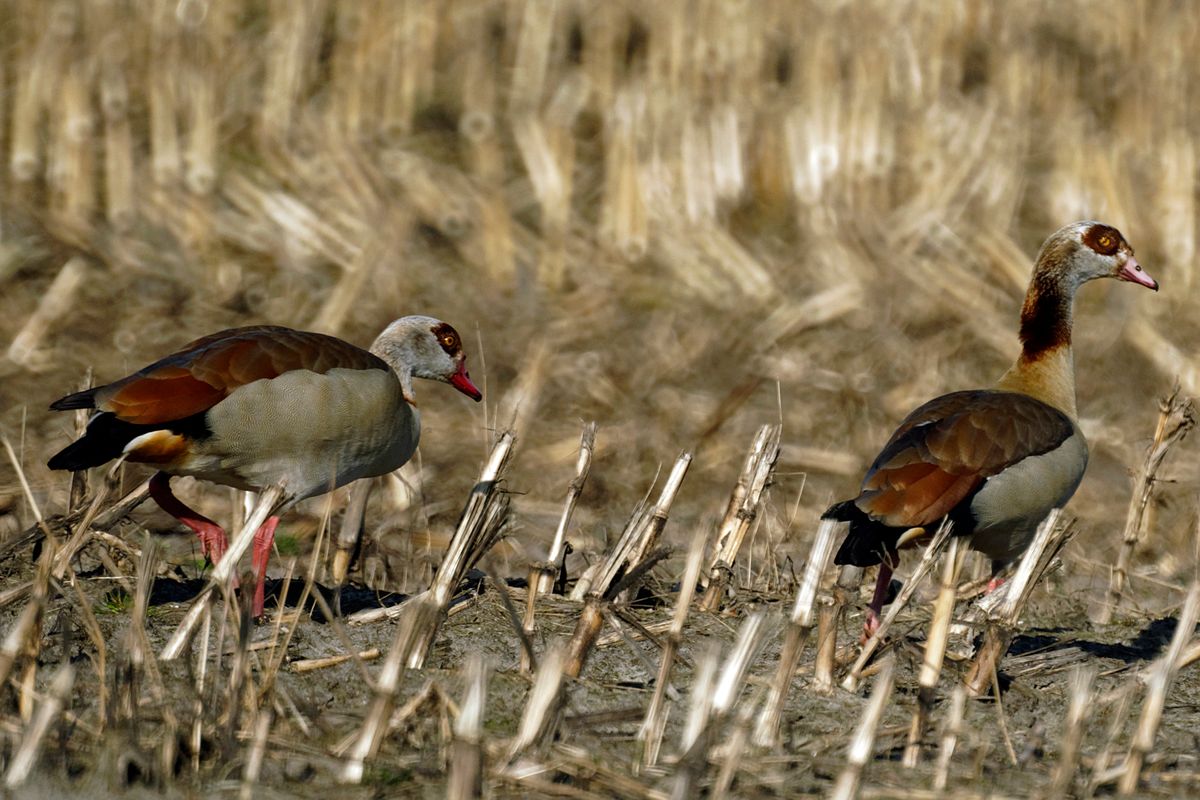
{"points": [[651, 213]]}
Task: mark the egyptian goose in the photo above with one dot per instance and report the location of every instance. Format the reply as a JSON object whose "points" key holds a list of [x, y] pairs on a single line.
{"points": [[993, 461], [264, 405]]}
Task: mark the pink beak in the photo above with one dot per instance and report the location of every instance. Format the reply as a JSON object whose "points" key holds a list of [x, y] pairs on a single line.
{"points": [[1133, 272], [462, 381]]}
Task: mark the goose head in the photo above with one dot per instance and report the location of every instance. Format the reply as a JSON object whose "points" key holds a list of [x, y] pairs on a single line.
{"points": [[424, 347], [1087, 250]]}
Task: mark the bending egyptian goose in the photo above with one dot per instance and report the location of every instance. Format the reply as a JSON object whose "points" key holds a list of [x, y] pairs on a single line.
{"points": [[993, 461], [265, 405]]}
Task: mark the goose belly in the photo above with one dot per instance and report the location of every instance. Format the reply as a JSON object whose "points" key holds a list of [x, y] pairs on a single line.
{"points": [[1009, 507], [312, 432]]}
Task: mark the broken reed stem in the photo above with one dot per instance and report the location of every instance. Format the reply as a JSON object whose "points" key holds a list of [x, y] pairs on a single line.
{"points": [[742, 510], [735, 745], [479, 527], [766, 732], [543, 706], [56, 301], [31, 741], [1002, 609], [711, 709], [935, 649], [523, 639], [79, 478], [350, 533], [1156, 694], [103, 520], [928, 558], [646, 542], [863, 744], [255, 751], [626, 556], [541, 575], [1063, 781], [1175, 418], [583, 465], [370, 735], [654, 723], [953, 727], [310, 664], [268, 501], [829, 620], [466, 755]]}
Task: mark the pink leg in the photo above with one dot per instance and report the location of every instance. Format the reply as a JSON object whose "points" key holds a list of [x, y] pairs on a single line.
{"points": [[882, 584], [263, 540], [995, 583], [212, 537]]}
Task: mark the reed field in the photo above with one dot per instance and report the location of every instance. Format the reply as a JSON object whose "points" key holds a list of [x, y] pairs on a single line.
{"points": [[704, 257]]}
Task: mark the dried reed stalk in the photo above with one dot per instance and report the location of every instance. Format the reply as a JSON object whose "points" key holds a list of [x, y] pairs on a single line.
{"points": [[1176, 417], [350, 533], [1002, 609], [467, 752], [28, 622], [268, 501], [935, 649], [56, 302], [742, 510], [70, 164], [583, 465], [254, 752], [25, 758], [79, 479], [295, 29], [101, 520], [479, 527], [861, 748], [1063, 780], [928, 558], [829, 619], [541, 574], [164, 124], [310, 664], [654, 723], [710, 710], [950, 734], [735, 745], [625, 557], [1165, 671], [800, 625], [366, 743], [639, 533], [119, 203], [543, 707]]}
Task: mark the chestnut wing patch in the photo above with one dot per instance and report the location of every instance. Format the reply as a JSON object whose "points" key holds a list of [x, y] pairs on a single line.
{"points": [[944, 451], [207, 370]]}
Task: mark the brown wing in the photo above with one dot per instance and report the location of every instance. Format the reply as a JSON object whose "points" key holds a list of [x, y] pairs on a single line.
{"points": [[944, 450], [205, 371]]}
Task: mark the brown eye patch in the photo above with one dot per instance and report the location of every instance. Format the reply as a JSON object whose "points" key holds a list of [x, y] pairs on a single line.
{"points": [[448, 338], [1103, 239]]}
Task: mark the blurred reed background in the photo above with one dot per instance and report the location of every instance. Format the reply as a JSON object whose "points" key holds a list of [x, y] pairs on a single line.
{"points": [[681, 220]]}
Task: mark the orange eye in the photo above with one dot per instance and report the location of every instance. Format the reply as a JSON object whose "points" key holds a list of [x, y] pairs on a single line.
{"points": [[1105, 242], [449, 342]]}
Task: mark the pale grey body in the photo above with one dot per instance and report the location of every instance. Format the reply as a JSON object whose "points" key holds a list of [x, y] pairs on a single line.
{"points": [[1010, 506], [323, 431]]}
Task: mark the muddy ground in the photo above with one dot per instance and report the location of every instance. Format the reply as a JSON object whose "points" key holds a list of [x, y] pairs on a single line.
{"points": [[317, 710]]}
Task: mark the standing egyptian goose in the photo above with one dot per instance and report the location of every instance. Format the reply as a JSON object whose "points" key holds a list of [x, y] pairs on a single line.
{"points": [[993, 461], [264, 405]]}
